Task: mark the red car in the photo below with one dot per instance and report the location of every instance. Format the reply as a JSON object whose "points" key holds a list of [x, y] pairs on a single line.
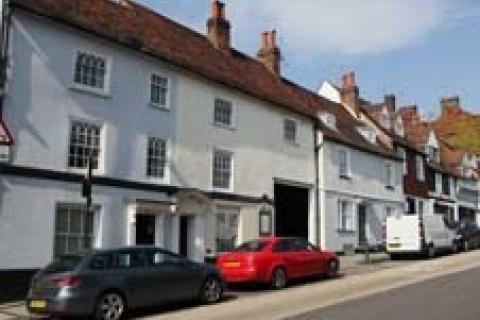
{"points": [[275, 261]]}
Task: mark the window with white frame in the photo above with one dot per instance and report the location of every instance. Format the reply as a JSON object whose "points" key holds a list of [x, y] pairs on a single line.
{"points": [[223, 113], [389, 211], [84, 142], [389, 175], [90, 70], [344, 163], [289, 130], [70, 229], [420, 168], [345, 216], [226, 229], [159, 88], [157, 157], [222, 169]]}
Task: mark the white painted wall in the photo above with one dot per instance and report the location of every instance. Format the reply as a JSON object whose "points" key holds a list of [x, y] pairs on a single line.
{"points": [[40, 102], [367, 184], [259, 152], [27, 218]]}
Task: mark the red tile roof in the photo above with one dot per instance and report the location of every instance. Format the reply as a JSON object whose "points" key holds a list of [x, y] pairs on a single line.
{"points": [[142, 29]]}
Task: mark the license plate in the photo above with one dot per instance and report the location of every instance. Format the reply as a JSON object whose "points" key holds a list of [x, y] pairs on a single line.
{"points": [[394, 245], [231, 264], [38, 304]]}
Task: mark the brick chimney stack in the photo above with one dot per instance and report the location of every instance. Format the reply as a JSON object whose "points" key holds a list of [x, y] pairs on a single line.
{"points": [[390, 102], [349, 93], [218, 27], [269, 53], [451, 106]]}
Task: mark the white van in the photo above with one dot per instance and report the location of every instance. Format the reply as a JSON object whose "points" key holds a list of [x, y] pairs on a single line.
{"points": [[414, 234]]}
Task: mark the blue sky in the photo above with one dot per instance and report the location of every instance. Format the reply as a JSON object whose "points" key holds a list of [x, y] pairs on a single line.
{"points": [[420, 50]]}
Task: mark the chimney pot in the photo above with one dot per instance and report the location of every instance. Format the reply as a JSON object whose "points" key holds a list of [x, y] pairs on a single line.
{"points": [[451, 105], [269, 54], [390, 102], [348, 80], [218, 28], [349, 93]]}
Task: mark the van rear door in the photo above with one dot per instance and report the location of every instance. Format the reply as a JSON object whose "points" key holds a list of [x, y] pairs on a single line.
{"points": [[403, 234]]}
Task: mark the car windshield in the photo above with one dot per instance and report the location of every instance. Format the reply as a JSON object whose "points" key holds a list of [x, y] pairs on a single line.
{"points": [[64, 264], [251, 246]]}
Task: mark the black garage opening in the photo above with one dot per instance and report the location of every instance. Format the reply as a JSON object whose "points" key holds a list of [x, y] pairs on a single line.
{"points": [[291, 211]]}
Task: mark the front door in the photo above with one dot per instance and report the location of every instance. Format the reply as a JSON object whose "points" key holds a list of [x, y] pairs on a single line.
{"points": [[362, 224], [145, 229], [185, 236]]}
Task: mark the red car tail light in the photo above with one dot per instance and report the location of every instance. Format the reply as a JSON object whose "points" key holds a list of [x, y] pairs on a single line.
{"points": [[67, 282]]}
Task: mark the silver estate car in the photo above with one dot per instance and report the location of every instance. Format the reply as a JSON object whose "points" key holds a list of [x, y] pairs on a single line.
{"points": [[104, 284]]}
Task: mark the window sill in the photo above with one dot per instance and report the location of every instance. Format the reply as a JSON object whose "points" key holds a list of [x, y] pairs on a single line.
{"points": [[158, 180], [344, 231], [84, 171], [222, 190], [158, 107], [92, 91], [293, 143], [224, 126]]}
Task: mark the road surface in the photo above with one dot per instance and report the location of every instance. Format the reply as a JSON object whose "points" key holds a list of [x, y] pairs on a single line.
{"points": [[446, 298]]}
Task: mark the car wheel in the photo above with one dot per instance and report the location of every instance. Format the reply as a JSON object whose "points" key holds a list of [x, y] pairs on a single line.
{"points": [[212, 291], [332, 269], [431, 251], [279, 279], [111, 306]]}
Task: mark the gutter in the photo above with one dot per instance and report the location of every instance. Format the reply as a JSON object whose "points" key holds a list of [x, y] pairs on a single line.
{"points": [[4, 48]]}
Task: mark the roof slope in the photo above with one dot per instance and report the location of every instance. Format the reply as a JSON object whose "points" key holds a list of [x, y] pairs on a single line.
{"points": [[461, 130]]}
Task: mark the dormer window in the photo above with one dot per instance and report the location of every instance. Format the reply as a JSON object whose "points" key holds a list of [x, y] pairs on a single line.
{"points": [[433, 154], [368, 133], [329, 120]]}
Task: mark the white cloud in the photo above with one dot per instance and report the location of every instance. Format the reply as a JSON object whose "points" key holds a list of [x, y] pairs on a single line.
{"points": [[352, 27]]}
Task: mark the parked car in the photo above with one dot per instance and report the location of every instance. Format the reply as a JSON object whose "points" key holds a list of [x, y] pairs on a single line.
{"points": [[468, 235], [103, 284], [275, 261], [414, 234]]}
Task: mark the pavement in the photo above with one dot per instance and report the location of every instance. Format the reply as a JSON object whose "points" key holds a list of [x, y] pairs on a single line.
{"points": [[357, 280]]}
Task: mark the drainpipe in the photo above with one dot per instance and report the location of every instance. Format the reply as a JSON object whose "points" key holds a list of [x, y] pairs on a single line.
{"points": [[317, 149], [4, 41]]}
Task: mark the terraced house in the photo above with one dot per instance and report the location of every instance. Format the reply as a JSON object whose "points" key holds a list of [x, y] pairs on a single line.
{"points": [[453, 169], [360, 173], [189, 150]]}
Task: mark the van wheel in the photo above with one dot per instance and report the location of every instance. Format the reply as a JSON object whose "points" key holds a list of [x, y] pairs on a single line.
{"points": [[111, 306], [431, 251], [279, 279]]}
